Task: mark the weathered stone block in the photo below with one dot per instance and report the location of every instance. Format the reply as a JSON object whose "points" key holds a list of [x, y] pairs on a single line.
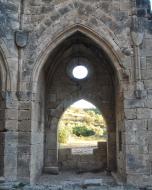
{"points": [[24, 105], [11, 137], [24, 138], [10, 171], [11, 114], [11, 125], [144, 113], [135, 125], [24, 125], [133, 103], [130, 114], [23, 162], [24, 115]]}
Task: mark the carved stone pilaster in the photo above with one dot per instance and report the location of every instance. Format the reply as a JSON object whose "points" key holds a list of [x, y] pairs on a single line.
{"points": [[137, 35]]}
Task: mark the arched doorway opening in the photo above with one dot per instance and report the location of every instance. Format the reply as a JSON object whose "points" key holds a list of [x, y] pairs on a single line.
{"points": [[63, 87], [58, 88], [82, 139]]}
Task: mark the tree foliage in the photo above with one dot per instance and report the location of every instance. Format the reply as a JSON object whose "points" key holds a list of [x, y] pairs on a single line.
{"points": [[83, 131], [81, 122]]}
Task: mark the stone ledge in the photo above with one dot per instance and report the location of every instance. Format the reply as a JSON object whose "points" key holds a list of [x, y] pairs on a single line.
{"points": [[51, 170]]}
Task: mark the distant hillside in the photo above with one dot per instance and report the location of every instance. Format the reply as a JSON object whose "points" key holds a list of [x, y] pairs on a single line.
{"points": [[85, 121], [90, 117]]}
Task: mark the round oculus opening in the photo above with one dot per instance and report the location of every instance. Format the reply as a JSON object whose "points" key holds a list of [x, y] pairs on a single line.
{"points": [[80, 72]]}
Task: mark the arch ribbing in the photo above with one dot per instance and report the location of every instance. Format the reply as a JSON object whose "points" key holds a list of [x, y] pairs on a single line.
{"points": [[110, 48]]}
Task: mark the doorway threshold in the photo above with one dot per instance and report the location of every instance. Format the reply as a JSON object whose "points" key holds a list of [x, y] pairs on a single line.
{"points": [[71, 178]]}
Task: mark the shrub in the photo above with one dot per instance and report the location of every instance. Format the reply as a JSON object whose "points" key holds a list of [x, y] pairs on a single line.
{"points": [[63, 135], [83, 131]]}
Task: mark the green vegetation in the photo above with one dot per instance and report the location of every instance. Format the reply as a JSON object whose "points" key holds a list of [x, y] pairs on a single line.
{"points": [[63, 135], [81, 123], [83, 131]]}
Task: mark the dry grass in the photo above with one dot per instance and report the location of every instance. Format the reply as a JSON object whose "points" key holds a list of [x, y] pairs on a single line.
{"points": [[75, 142]]}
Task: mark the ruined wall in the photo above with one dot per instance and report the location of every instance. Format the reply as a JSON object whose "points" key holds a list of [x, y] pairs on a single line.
{"points": [[9, 23], [137, 104], [84, 162], [124, 31]]}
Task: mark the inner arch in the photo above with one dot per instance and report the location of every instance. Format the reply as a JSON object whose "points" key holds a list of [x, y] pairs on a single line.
{"points": [[82, 137]]}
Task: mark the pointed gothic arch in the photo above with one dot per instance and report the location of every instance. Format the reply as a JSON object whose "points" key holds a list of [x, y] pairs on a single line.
{"points": [[110, 47], [45, 117]]}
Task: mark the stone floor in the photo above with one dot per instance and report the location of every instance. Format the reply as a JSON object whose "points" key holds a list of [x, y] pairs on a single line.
{"points": [[74, 178], [70, 181]]}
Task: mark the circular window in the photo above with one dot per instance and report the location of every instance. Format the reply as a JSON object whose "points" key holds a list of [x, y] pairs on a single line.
{"points": [[80, 72], [79, 68]]}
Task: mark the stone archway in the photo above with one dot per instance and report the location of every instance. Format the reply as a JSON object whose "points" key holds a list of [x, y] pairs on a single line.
{"points": [[55, 90], [82, 139], [98, 88]]}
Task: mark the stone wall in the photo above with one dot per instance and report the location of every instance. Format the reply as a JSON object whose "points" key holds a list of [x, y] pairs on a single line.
{"points": [[84, 162], [32, 34]]}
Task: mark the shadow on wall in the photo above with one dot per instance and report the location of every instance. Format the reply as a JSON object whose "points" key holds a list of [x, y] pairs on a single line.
{"points": [[144, 8]]}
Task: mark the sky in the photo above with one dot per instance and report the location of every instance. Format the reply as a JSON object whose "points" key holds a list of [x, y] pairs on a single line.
{"points": [[83, 104], [80, 72], [151, 4]]}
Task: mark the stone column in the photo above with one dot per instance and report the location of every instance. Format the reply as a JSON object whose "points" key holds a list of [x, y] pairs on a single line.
{"points": [[24, 136], [11, 136], [111, 147], [51, 147]]}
